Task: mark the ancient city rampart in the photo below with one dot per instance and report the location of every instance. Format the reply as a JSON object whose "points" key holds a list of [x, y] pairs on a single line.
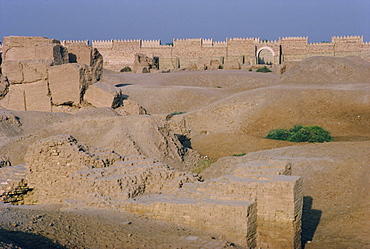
{"points": [[184, 53]]}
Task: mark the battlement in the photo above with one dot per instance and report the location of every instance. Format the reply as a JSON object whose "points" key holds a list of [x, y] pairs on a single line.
{"points": [[207, 42], [294, 38], [150, 43], [243, 39], [219, 44], [102, 43], [126, 40], [66, 42], [266, 42], [347, 39]]}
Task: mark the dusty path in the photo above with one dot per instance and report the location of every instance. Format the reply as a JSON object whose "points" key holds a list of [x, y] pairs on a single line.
{"points": [[49, 227]]}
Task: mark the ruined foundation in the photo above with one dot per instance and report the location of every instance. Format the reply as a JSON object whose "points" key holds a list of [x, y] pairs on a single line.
{"points": [[258, 205]]}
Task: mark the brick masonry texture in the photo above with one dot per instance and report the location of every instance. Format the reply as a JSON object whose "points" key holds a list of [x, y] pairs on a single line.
{"points": [[44, 74], [185, 53], [258, 204]]}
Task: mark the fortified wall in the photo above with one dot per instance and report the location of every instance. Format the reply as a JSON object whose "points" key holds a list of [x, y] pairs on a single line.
{"points": [[185, 53]]}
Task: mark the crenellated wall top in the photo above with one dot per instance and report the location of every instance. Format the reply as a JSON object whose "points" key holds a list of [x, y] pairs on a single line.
{"points": [[345, 39], [294, 38], [126, 40], [66, 42], [150, 43]]}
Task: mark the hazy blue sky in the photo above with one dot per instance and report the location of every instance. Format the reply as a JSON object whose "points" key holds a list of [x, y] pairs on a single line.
{"points": [[168, 19]]}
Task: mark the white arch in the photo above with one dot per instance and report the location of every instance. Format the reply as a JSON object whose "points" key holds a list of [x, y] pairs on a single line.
{"points": [[268, 48]]}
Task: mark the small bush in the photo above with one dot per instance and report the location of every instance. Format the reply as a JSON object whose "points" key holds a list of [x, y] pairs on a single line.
{"points": [[126, 69], [278, 134], [220, 67], [300, 133], [250, 70], [263, 69], [241, 154]]}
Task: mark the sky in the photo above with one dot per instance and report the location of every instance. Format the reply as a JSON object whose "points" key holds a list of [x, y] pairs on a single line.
{"points": [[169, 19]]}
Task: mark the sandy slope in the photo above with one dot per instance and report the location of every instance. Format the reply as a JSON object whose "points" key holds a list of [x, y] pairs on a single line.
{"points": [[227, 112]]}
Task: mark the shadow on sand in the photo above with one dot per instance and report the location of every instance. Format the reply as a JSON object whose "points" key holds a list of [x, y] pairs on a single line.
{"points": [[28, 240], [121, 85], [310, 220]]}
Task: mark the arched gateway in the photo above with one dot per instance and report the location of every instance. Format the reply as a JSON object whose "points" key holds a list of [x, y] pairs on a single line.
{"points": [[265, 55]]}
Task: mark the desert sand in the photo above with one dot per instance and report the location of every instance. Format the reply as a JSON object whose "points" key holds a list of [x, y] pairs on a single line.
{"points": [[223, 112]]}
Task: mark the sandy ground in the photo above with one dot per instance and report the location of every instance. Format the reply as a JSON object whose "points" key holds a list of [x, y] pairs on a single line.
{"points": [[227, 112]]}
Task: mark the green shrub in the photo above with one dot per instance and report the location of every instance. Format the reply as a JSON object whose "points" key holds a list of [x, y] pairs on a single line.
{"points": [[250, 70], [241, 154], [300, 133], [263, 69], [278, 134], [220, 67], [126, 69]]}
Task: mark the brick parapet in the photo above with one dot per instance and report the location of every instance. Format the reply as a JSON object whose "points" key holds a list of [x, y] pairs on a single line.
{"points": [[67, 42]]}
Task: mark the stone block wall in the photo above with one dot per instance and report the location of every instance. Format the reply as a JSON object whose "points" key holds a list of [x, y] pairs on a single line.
{"points": [[68, 83], [43, 74], [33, 48]]}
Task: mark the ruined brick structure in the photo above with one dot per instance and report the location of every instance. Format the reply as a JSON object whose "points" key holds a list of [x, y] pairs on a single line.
{"points": [[184, 53], [41, 74], [258, 204]]}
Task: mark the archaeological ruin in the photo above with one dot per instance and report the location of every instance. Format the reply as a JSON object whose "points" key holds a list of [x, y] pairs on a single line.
{"points": [[43, 75], [256, 203]]}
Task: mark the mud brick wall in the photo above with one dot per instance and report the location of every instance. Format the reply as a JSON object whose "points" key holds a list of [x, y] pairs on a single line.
{"points": [[257, 204], [60, 168], [235, 220], [279, 212], [185, 52]]}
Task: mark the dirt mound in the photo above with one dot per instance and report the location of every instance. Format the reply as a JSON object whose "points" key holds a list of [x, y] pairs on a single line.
{"points": [[342, 110], [103, 128], [186, 91], [328, 70]]}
